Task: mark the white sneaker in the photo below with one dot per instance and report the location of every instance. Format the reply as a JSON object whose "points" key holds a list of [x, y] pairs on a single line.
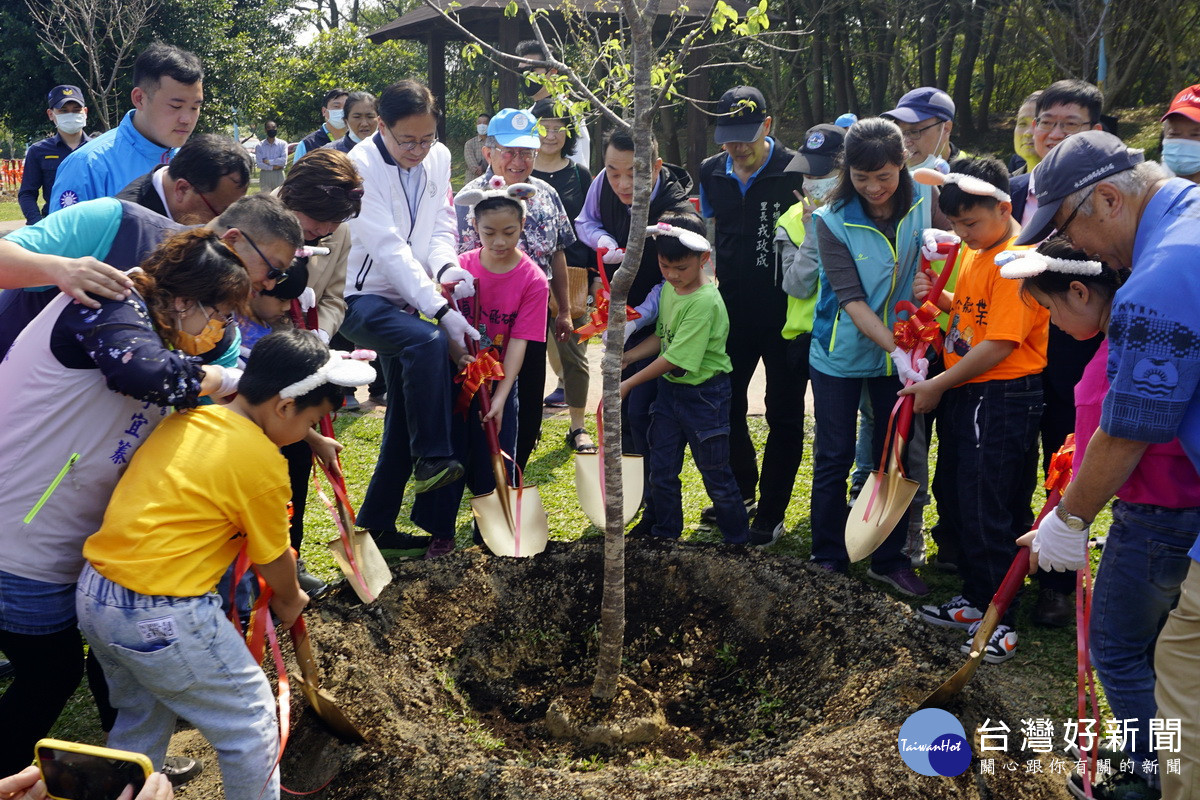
{"points": [[1000, 647]]}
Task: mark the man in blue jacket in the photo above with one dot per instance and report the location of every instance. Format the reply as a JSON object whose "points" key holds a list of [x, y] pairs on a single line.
{"points": [[168, 89]]}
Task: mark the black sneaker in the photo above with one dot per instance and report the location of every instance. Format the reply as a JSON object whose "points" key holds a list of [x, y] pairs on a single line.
{"points": [[708, 517], [181, 769], [434, 473], [765, 537], [400, 545], [6, 668], [1118, 786], [313, 586], [642, 530]]}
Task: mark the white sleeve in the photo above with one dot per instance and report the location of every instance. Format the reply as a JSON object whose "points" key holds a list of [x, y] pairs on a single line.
{"points": [[443, 249]]}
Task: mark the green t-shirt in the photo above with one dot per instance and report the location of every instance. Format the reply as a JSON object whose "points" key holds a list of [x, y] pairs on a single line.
{"points": [[693, 328]]}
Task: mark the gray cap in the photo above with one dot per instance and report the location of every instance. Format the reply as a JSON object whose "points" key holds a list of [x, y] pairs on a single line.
{"points": [[1078, 161]]}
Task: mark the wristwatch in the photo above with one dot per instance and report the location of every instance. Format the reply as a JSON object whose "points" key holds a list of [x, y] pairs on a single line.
{"points": [[1073, 522]]}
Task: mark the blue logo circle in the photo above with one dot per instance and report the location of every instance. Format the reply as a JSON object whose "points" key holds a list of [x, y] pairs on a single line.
{"points": [[932, 742]]}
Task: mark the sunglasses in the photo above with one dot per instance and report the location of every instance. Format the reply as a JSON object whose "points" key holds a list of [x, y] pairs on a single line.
{"points": [[274, 273]]}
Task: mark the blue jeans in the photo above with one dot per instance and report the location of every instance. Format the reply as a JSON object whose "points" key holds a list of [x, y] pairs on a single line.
{"points": [[1145, 560], [696, 416], [988, 440], [835, 406], [168, 657]]}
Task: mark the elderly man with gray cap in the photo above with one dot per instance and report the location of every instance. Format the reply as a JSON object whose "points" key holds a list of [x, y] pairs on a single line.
{"points": [[1111, 203], [926, 117]]}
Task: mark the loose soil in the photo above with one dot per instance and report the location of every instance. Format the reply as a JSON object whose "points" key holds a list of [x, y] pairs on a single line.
{"points": [[775, 680]]}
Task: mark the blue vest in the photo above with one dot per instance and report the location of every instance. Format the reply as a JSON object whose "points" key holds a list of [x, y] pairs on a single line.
{"points": [[839, 348]]}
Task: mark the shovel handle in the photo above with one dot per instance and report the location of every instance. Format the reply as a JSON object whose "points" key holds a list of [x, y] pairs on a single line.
{"points": [[304, 654], [1019, 569]]}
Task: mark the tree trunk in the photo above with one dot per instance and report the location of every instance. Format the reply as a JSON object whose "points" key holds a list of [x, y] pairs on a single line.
{"points": [[999, 22], [841, 88], [818, 82], [669, 143], [964, 75], [927, 39], [946, 45]]}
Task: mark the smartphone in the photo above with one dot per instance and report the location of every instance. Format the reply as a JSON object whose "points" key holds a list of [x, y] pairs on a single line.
{"points": [[74, 771]]}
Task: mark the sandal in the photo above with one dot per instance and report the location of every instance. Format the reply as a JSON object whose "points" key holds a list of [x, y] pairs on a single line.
{"points": [[573, 442]]}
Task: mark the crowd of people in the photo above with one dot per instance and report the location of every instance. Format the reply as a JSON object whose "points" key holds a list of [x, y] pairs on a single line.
{"points": [[148, 283]]}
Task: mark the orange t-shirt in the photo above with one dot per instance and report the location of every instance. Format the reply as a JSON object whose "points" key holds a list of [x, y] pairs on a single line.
{"points": [[987, 306]]}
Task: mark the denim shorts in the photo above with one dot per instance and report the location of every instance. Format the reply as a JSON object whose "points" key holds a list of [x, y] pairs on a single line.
{"points": [[35, 608]]}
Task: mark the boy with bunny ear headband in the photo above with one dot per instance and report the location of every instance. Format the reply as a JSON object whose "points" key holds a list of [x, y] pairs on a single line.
{"points": [[990, 397]]}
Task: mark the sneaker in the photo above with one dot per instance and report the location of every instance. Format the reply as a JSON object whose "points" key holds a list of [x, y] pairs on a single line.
{"points": [[6, 668], [181, 769], [1117, 786], [914, 548], [941, 565], [379, 399], [1054, 609], [556, 399], [400, 545], [903, 580], [439, 548], [641, 530], [956, 612], [765, 537], [351, 404], [1000, 647], [434, 473], [708, 517], [1112, 757], [313, 586]]}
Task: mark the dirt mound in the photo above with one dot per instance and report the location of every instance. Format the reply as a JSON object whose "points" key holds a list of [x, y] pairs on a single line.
{"points": [[775, 680]]}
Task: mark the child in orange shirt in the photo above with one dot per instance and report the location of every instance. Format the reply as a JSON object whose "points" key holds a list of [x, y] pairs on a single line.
{"points": [[990, 397]]}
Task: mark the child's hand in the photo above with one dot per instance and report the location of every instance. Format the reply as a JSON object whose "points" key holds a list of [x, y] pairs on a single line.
{"points": [[922, 285], [625, 387], [326, 450], [497, 413], [463, 358], [926, 395], [287, 611]]}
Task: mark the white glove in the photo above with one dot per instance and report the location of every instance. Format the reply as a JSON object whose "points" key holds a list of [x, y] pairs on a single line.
{"points": [[307, 298], [904, 368], [613, 256], [931, 238], [607, 243], [1058, 547], [322, 335], [466, 281], [457, 327], [230, 376]]}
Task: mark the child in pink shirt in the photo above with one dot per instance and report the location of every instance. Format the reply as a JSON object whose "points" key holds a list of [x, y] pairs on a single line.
{"points": [[1155, 516], [508, 308]]}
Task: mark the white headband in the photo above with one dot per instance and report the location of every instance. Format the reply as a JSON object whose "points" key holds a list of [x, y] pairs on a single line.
{"points": [[342, 369], [495, 188], [689, 239], [968, 183], [1027, 263]]}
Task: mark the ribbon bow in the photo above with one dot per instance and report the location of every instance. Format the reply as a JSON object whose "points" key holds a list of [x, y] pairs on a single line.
{"points": [[920, 327], [485, 367], [599, 317], [1059, 473]]}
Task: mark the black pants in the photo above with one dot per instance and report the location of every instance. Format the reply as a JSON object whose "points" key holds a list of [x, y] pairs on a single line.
{"points": [[751, 340], [531, 387], [300, 466], [47, 672]]}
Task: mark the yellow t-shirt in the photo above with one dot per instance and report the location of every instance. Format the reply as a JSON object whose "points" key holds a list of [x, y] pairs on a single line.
{"points": [[204, 483], [987, 306]]}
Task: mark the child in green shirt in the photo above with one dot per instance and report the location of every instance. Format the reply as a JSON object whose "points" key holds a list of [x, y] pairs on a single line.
{"points": [[692, 406]]}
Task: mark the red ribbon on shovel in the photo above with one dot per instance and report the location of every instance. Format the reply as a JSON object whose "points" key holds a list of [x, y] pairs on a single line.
{"points": [[485, 367], [599, 317]]}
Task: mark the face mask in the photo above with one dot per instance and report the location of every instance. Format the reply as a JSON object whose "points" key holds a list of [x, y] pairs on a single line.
{"points": [[195, 344], [70, 123], [481, 130], [353, 137], [1181, 156], [931, 160], [271, 133], [337, 118], [819, 188], [530, 88]]}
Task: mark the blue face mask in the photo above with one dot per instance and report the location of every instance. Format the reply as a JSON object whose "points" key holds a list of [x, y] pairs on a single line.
{"points": [[1181, 156]]}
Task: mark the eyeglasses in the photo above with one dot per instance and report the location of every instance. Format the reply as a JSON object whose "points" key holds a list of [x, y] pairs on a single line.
{"points": [[915, 133], [274, 273], [519, 153], [413, 144], [1069, 126], [210, 205], [342, 193], [1062, 230], [224, 319]]}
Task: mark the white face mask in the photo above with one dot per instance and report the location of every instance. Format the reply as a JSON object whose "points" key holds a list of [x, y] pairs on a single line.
{"points": [[354, 137], [819, 188], [70, 123], [931, 160], [481, 130], [1181, 156], [337, 118]]}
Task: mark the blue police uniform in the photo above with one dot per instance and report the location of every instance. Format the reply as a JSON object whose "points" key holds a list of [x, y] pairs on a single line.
{"points": [[41, 165]]}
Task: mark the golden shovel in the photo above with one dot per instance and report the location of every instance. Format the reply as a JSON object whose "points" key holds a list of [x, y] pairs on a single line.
{"points": [[322, 702], [589, 481], [885, 496]]}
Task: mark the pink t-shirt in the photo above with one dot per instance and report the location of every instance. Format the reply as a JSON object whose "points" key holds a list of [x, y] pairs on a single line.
{"points": [[1164, 477], [511, 305]]}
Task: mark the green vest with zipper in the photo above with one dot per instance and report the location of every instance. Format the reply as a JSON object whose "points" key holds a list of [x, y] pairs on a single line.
{"points": [[886, 272], [799, 318]]}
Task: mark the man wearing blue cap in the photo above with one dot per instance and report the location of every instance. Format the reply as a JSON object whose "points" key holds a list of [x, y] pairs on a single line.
{"points": [[926, 117], [68, 112], [1117, 207]]}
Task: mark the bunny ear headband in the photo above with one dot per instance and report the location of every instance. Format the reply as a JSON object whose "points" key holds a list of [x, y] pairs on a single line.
{"points": [[689, 239], [342, 369], [968, 183], [1027, 263], [495, 187]]}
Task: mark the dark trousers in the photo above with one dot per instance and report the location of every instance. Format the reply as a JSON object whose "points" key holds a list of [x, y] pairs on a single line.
{"points": [[47, 669], [635, 420], [385, 494], [751, 340], [437, 511], [300, 466], [698, 417], [835, 406], [530, 390], [988, 439]]}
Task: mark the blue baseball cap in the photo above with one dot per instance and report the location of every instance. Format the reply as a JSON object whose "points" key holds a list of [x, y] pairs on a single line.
{"points": [[66, 93], [921, 104], [846, 120], [515, 127]]}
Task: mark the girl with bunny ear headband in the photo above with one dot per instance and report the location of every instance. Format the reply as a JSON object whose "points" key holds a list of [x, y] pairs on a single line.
{"points": [[518, 193]]}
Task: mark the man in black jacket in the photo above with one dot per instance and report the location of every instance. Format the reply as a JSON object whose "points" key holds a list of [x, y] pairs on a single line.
{"points": [[204, 178], [744, 189]]}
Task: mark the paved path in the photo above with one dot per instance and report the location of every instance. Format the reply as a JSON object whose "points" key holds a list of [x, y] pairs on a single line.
{"points": [[8, 226]]}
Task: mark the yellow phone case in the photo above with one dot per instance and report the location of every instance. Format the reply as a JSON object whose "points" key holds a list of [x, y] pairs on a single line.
{"points": [[78, 748]]}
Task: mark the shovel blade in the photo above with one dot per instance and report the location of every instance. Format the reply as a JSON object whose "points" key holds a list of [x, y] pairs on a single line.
{"points": [[589, 490], [865, 531], [497, 528], [375, 571], [329, 711]]}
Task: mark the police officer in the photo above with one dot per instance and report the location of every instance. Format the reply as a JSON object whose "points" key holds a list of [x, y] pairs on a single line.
{"points": [[69, 115]]}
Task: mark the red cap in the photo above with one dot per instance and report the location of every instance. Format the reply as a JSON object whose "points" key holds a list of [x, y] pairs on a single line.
{"points": [[1186, 103]]}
